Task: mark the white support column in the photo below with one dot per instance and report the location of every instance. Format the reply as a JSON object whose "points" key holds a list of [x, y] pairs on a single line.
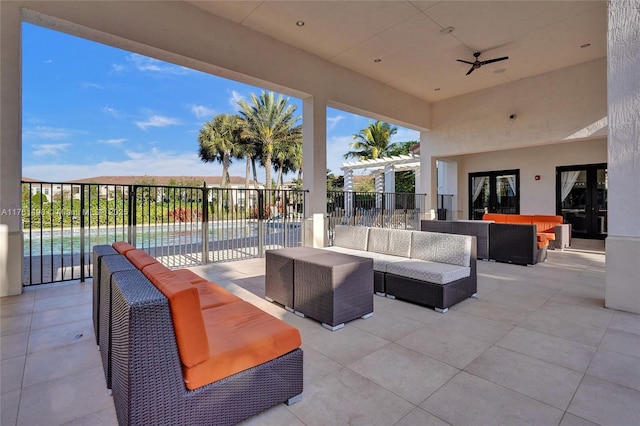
{"points": [[379, 189], [348, 196], [11, 244], [390, 187], [622, 289], [314, 152], [428, 176]]}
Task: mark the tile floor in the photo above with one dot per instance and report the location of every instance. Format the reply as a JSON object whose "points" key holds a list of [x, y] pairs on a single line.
{"points": [[537, 347]]}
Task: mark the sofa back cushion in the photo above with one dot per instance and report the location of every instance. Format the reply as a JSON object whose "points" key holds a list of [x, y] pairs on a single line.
{"points": [[496, 217], [519, 219], [122, 247], [547, 223], [394, 242], [444, 248], [186, 313], [140, 259], [353, 237]]}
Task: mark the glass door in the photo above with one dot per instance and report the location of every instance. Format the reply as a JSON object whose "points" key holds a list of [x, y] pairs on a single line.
{"points": [[494, 192], [581, 198]]}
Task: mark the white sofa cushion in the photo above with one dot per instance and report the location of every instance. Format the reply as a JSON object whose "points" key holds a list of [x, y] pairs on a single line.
{"points": [[380, 261], [352, 237], [433, 272], [453, 249], [394, 242]]}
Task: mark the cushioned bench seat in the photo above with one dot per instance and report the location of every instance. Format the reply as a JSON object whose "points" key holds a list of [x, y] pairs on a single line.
{"points": [[423, 270]]}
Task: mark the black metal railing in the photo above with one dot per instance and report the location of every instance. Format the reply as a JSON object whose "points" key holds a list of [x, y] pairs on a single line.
{"points": [[181, 226], [381, 209]]}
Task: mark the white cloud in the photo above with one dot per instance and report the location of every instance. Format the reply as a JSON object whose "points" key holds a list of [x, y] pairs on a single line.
{"points": [[145, 64], [48, 61], [92, 85], [235, 98], [112, 141], [117, 68], [44, 132], [332, 122], [49, 149], [157, 121], [405, 135], [201, 111], [337, 146], [111, 111], [153, 162]]}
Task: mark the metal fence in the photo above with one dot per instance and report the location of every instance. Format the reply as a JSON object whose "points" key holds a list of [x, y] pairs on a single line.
{"points": [[380, 209], [180, 226]]}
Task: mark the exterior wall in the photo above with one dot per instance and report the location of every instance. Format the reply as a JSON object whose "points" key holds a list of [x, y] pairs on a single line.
{"points": [[622, 289], [536, 196]]}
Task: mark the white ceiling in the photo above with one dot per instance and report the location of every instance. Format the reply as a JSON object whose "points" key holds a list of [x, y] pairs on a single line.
{"points": [[538, 37]]}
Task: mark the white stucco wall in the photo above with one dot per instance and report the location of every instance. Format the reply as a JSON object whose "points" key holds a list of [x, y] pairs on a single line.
{"points": [[536, 196], [558, 106]]}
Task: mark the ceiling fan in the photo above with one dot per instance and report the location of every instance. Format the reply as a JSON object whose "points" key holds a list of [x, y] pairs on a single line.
{"points": [[478, 63]]}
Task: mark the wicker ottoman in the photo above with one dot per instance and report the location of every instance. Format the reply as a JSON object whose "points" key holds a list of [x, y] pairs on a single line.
{"points": [[333, 288], [98, 252], [278, 285]]}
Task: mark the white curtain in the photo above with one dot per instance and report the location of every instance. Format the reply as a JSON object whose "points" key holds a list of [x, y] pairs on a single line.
{"points": [[512, 183], [478, 186], [568, 179]]}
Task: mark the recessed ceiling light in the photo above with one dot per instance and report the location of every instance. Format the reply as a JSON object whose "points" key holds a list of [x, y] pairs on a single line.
{"points": [[582, 46], [447, 30], [300, 23], [377, 60], [499, 70]]}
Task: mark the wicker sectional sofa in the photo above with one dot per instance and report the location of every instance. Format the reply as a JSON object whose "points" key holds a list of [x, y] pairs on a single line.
{"points": [[178, 349], [432, 269]]}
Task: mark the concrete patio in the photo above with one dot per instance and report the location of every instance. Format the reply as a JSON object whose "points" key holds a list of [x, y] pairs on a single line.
{"points": [[536, 347]]}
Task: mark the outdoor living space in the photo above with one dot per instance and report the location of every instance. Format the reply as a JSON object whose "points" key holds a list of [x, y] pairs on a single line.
{"points": [[536, 347]]}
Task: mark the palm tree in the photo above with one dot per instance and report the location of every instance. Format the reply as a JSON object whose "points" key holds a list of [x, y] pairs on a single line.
{"points": [[372, 142], [267, 121], [288, 158], [220, 141]]}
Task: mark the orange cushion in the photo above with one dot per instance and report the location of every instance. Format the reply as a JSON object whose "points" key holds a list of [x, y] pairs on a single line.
{"points": [[186, 315], [122, 247], [140, 259], [240, 336], [212, 295], [189, 275], [496, 217], [519, 218], [543, 244]]}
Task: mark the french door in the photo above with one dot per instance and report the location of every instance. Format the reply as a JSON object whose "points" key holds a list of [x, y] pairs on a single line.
{"points": [[494, 192], [581, 199]]}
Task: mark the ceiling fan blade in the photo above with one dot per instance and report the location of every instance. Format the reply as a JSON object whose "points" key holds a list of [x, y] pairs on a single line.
{"points": [[489, 61], [466, 62], [470, 71]]}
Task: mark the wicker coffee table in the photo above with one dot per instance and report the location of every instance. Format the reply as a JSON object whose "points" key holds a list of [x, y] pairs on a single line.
{"points": [[333, 288], [278, 285]]}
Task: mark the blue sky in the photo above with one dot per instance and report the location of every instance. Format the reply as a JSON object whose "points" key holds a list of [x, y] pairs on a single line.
{"points": [[92, 110]]}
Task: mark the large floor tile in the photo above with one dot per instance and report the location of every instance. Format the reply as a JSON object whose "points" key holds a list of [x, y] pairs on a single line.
{"points": [[63, 315], [61, 361], [409, 374], [616, 367], [420, 417], [65, 399], [570, 420], [345, 345], [471, 400], [388, 324], [317, 366], [606, 403], [558, 351], [497, 311], [11, 373], [13, 345], [622, 342], [63, 290], [16, 309], [453, 349], [25, 297], [548, 324], [540, 380], [347, 398], [60, 335], [15, 324], [578, 314], [106, 417], [623, 321], [411, 310], [10, 403], [480, 328]]}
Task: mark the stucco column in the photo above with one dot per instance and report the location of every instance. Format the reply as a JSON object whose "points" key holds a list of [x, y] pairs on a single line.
{"points": [[11, 247], [622, 290], [314, 163], [428, 176]]}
